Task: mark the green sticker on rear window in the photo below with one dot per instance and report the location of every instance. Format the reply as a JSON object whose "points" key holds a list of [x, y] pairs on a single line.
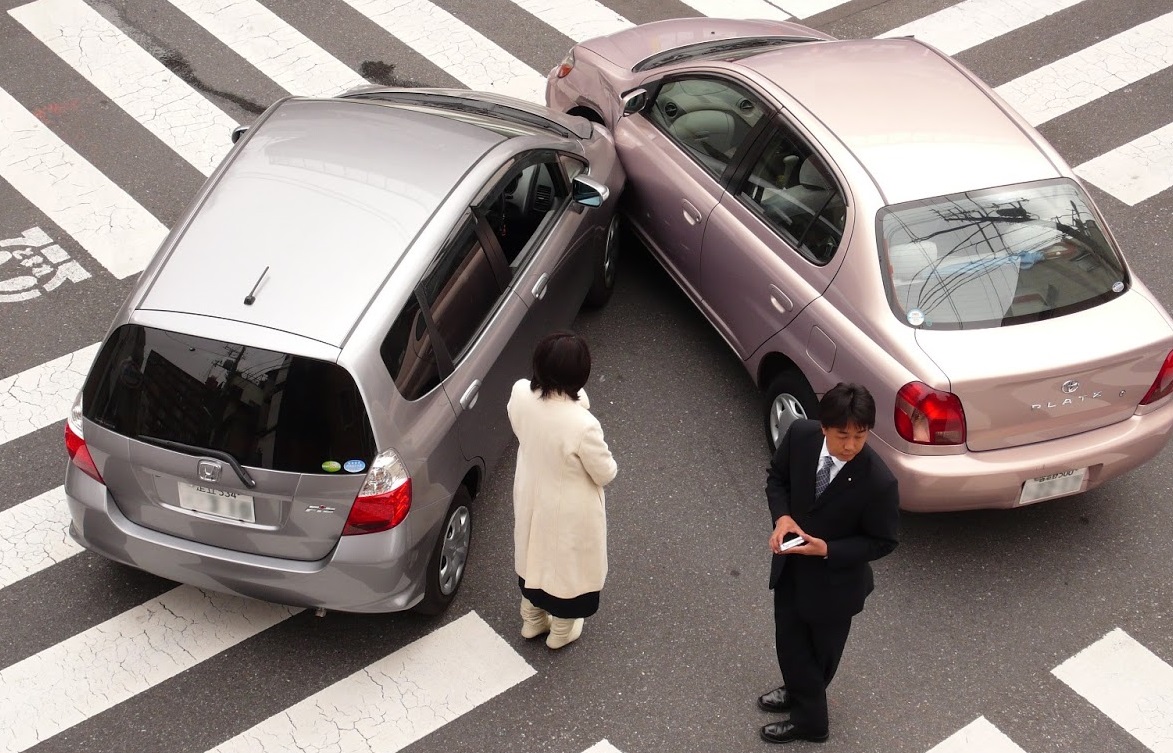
{"points": [[331, 466]]}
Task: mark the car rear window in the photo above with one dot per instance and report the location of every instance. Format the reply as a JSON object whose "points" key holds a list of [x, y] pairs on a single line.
{"points": [[267, 409], [997, 257]]}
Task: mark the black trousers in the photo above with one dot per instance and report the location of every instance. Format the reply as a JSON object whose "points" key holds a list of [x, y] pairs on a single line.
{"points": [[808, 655]]}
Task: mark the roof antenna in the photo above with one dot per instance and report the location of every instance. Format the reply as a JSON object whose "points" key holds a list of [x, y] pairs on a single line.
{"points": [[250, 298]]}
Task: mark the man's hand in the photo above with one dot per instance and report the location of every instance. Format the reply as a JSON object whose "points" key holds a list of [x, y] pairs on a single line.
{"points": [[814, 547]]}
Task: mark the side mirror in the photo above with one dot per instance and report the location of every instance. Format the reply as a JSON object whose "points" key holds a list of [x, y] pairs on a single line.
{"points": [[237, 132], [634, 101], [590, 192]]}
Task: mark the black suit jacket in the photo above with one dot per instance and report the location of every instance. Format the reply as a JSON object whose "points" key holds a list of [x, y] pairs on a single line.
{"points": [[857, 515]]}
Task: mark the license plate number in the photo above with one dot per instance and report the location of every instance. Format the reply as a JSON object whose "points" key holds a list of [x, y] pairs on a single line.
{"points": [[218, 502], [1053, 485]]}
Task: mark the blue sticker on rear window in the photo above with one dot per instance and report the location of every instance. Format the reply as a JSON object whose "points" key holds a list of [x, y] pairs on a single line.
{"points": [[354, 466]]}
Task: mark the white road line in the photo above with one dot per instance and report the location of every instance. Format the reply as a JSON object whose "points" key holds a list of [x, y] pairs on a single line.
{"points": [[1135, 171], [41, 396], [34, 535], [1082, 77], [395, 701], [739, 9], [602, 746], [461, 51], [134, 80], [973, 22], [577, 19], [110, 225], [808, 8], [272, 46], [94, 670], [979, 736], [1128, 683]]}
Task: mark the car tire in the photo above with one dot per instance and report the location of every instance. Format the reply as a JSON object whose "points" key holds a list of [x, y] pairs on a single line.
{"points": [[604, 282], [449, 556], [788, 398]]}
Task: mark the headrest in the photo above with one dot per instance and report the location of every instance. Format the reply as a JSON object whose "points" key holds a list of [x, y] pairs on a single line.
{"points": [[810, 175]]}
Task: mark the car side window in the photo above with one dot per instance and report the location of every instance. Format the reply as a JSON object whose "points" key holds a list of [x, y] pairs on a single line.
{"points": [[521, 205], [792, 189], [707, 117], [460, 292]]}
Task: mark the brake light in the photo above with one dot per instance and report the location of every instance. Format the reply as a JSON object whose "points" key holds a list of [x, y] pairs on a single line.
{"points": [[1163, 384], [927, 416], [566, 66], [75, 443], [385, 497]]}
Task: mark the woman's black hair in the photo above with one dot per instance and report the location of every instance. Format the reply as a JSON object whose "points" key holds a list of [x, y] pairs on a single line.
{"points": [[846, 405], [562, 363]]}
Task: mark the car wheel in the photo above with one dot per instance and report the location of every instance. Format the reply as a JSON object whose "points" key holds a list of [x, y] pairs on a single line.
{"points": [[604, 283], [788, 399], [449, 556]]}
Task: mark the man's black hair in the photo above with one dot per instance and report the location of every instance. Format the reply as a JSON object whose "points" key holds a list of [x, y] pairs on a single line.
{"points": [[562, 363], [846, 405]]}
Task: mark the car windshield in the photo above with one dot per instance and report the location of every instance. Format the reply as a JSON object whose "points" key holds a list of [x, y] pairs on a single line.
{"points": [[264, 408], [997, 257], [727, 49]]}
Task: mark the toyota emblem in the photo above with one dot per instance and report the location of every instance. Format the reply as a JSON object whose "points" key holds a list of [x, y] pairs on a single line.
{"points": [[1069, 386]]}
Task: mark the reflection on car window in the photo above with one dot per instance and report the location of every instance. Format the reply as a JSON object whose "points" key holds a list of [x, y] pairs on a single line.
{"points": [[995, 258], [518, 208], [792, 189], [408, 354], [708, 118]]}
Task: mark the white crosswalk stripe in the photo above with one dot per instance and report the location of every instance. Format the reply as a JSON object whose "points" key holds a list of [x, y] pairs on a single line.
{"points": [[42, 396], [395, 701], [739, 9], [132, 78], [602, 746], [34, 535], [1135, 171], [973, 22], [577, 19], [979, 736]]}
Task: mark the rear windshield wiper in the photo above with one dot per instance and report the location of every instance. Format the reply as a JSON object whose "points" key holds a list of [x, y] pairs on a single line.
{"points": [[191, 449]]}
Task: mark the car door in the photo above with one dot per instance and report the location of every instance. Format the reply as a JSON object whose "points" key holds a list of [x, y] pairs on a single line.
{"points": [[771, 246], [677, 152]]}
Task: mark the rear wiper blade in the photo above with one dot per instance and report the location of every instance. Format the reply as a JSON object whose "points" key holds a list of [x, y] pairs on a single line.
{"points": [[191, 449]]}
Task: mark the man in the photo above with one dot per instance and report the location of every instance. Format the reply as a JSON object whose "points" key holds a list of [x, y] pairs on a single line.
{"points": [[830, 488]]}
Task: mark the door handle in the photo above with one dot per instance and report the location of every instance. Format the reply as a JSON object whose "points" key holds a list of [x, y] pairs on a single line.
{"points": [[691, 214], [780, 300], [469, 398], [540, 286]]}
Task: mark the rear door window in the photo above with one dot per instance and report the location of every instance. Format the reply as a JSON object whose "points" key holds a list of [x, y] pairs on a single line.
{"points": [[268, 409], [709, 118]]}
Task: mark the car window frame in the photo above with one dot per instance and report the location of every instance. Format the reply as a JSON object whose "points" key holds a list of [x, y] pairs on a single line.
{"points": [[768, 106]]}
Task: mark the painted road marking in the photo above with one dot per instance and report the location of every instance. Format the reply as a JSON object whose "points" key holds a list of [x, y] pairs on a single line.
{"points": [[739, 9], [272, 46], [577, 19], [132, 78], [808, 8], [461, 51], [95, 670], [42, 396], [109, 224], [1135, 171], [38, 265], [1128, 683], [979, 736], [34, 535], [602, 746], [395, 701], [1082, 77], [974, 22]]}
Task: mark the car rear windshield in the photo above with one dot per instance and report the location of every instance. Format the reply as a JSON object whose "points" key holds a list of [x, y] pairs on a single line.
{"points": [[267, 409], [997, 257]]}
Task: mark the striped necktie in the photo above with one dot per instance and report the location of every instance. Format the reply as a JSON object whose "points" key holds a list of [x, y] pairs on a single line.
{"points": [[823, 477]]}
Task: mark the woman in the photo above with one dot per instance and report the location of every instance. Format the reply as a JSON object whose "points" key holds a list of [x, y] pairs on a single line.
{"points": [[560, 524]]}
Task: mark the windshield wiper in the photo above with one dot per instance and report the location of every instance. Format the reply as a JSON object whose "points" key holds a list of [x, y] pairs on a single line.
{"points": [[191, 449]]}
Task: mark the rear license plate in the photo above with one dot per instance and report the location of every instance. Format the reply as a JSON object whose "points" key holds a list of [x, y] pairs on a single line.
{"points": [[223, 504], [1051, 486]]}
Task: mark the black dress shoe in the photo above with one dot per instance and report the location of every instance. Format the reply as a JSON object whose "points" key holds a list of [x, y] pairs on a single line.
{"points": [[786, 732], [776, 701]]}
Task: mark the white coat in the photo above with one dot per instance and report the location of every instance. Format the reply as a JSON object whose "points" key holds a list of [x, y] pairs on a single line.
{"points": [[560, 518]]}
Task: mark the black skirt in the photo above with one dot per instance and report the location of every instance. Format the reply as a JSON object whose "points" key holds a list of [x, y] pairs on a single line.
{"points": [[583, 605]]}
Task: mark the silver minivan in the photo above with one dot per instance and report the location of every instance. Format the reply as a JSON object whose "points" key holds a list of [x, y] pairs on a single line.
{"points": [[301, 397]]}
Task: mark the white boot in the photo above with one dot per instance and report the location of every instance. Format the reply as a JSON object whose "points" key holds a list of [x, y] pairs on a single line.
{"points": [[534, 621], [563, 631]]}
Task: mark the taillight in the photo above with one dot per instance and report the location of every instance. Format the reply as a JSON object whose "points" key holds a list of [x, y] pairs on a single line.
{"points": [[566, 66], [1163, 384], [385, 497], [928, 416], [75, 443]]}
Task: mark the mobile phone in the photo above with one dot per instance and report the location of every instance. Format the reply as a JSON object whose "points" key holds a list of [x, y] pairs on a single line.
{"points": [[791, 543]]}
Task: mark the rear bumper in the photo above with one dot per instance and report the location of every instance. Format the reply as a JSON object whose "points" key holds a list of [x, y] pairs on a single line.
{"points": [[376, 572], [994, 479]]}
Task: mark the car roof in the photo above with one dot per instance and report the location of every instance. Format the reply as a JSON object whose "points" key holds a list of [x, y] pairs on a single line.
{"points": [[912, 118], [327, 195]]}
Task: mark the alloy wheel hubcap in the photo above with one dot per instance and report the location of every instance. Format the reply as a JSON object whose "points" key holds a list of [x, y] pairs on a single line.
{"points": [[454, 550], [785, 411]]}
